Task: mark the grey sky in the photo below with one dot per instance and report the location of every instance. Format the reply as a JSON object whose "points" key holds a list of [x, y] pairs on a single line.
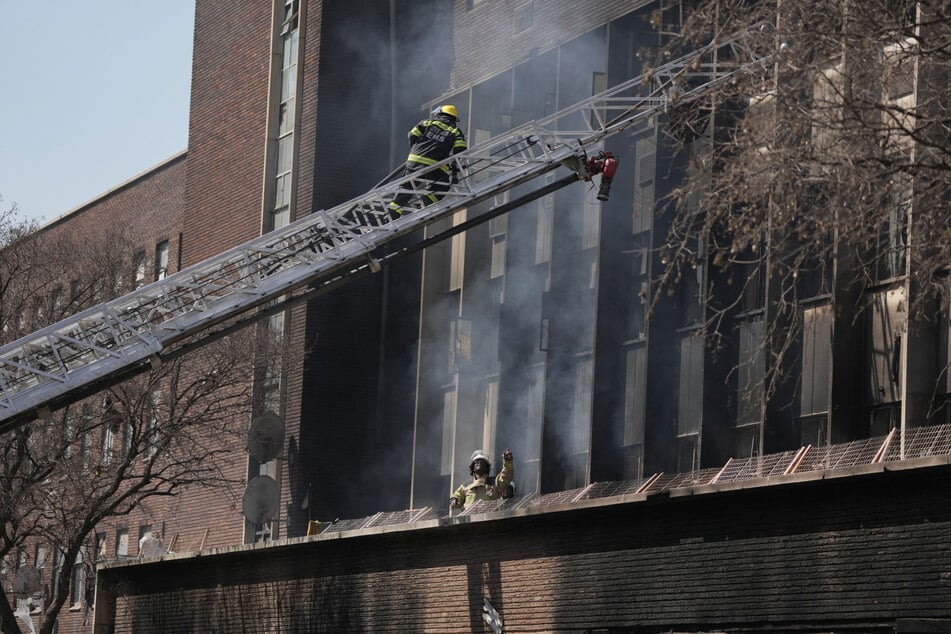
{"points": [[93, 93]]}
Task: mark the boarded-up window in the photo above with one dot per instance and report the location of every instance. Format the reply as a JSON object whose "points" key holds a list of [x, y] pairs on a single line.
{"points": [[691, 384], [816, 350]]}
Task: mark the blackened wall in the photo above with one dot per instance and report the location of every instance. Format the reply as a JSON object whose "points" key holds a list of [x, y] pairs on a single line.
{"points": [[858, 552]]}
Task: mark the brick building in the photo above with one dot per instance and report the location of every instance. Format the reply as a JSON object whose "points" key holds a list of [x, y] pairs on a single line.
{"points": [[528, 331]]}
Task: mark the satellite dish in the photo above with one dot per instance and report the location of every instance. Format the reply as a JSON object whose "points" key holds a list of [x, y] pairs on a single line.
{"points": [[151, 547], [266, 436], [27, 580], [262, 497]]}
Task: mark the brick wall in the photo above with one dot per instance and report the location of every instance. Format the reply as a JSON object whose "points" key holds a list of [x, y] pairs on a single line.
{"points": [[148, 208], [226, 140], [854, 553]]}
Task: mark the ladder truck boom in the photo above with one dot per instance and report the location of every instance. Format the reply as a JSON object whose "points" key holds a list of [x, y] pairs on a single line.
{"points": [[103, 345]]}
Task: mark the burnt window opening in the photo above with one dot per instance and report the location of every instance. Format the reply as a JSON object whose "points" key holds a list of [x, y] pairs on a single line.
{"points": [[746, 441], [750, 370], [637, 290], [161, 260], [688, 455], [813, 431], [881, 420], [690, 294]]}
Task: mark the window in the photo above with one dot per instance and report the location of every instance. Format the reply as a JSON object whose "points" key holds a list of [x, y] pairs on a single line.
{"points": [[524, 16], [152, 432], [590, 222], [448, 432], [40, 555], [101, 546], [545, 225], [460, 343], [814, 431], [107, 440], [882, 420], [885, 322], [490, 416], [498, 227], [139, 275], [122, 543], [691, 385], [128, 436], [59, 560], [457, 265], [581, 423], [638, 288], [145, 532], [644, 170], [691, 292], [39, 560], [688, 458], [283, 141], [746, 441], [751, 367], [816, 360], [889, 256], [472, 4], [75, 290], [56, 303], [84, 431], [635, 395], [161, 260], [77, 580]]}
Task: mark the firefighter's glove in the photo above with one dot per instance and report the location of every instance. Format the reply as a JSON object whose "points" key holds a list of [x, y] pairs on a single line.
{"points": [[454, 503], [454, 178], [507, 454]]}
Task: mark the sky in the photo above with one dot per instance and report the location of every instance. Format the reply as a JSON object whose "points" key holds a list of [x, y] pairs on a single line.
{"points": [[92, 93]]}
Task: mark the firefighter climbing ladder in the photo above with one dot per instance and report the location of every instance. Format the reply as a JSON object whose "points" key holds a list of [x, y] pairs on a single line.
{"points": [[103, 345]]}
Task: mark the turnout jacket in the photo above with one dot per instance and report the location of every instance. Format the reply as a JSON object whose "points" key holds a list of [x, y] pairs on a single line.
{"points": [[432, 140], [487, 488]]}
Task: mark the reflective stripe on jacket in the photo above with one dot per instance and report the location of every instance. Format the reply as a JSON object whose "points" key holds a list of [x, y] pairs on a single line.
{"points": [[433, 140]]}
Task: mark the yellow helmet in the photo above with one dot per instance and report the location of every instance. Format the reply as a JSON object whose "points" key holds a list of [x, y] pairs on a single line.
{"points": [[450, 110]]}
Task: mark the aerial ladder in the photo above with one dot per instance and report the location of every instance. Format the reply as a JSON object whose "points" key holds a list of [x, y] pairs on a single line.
{"points": [[101, 346]]}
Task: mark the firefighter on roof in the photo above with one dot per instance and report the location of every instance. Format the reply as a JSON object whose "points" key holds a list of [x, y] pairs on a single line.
{"points": [[432, 140], [484, 486]]}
